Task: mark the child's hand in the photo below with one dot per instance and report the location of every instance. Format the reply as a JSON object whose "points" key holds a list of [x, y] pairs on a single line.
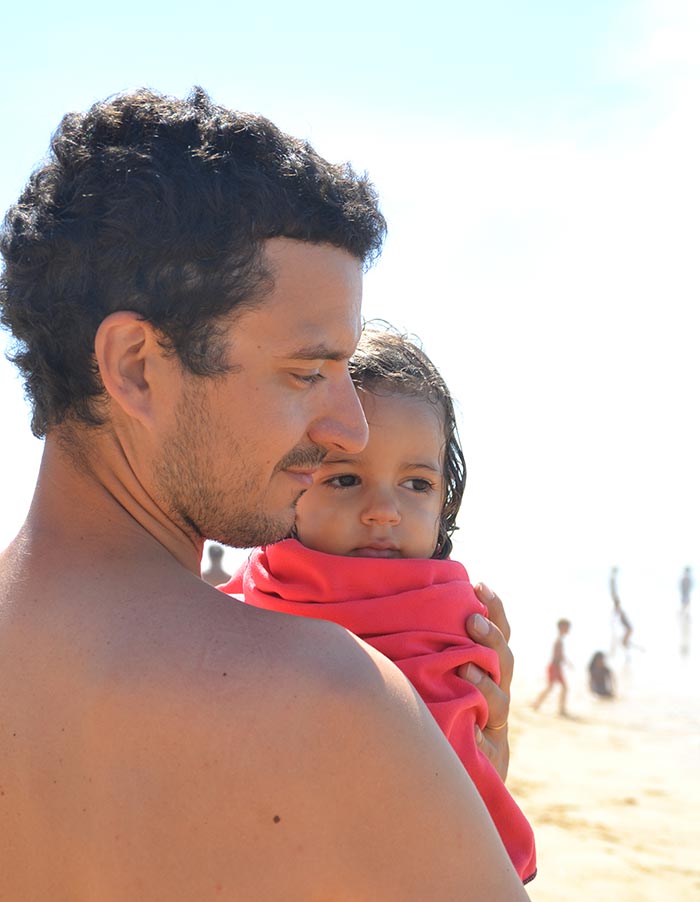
{"points": [[493, 633]]}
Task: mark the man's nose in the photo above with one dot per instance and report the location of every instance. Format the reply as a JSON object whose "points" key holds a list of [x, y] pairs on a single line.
{"points": [[343, 425]]}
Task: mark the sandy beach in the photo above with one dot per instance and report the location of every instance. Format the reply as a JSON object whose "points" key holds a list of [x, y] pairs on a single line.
{"points": [[613, 793]]}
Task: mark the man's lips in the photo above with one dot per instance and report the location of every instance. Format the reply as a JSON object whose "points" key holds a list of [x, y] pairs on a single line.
{"points": [[305, 477]]}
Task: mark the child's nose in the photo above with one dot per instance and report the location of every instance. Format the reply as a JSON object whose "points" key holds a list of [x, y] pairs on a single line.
{"points": [[381, 508]]}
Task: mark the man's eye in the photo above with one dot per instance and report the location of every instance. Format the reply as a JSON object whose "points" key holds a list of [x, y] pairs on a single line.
{"points": [[310, 378]]}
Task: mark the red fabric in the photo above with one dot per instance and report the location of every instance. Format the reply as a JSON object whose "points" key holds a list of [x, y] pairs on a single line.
{"points": [[414, 612], [555, 674]]}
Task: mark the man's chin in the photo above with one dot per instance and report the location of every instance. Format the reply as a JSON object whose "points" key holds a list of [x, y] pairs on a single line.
{"points": [[255, 529]]}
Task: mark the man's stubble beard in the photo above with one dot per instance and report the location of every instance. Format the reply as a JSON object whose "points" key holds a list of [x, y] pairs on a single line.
{"points": [[210, 501]]}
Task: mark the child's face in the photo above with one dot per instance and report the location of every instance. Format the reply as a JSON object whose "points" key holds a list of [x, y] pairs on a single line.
{"points": [[385, 501]]}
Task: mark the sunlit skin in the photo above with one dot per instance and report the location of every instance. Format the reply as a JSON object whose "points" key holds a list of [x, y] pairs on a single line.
{"points": [[244, 446], [385, 500]]}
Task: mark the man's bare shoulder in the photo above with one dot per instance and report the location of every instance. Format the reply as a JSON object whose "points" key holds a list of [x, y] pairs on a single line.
{"points": [[303, 762], [231, 663], [244, 733], [210, 749], [219, 665]]}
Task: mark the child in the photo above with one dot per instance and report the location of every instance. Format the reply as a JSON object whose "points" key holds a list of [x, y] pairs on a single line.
{"points": [[371, 553], [555, 670]]}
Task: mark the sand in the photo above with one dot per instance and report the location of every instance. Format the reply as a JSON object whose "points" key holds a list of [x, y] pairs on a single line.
{"points": [[613, 794]]}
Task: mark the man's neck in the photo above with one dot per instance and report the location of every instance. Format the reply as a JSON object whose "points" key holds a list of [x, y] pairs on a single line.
{"points": [[94, 500]]}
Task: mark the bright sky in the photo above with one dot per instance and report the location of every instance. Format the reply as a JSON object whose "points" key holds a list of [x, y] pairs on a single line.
{"points": [[538, 165]]}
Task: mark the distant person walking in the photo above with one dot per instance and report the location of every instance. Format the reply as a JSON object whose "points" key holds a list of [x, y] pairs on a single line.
{"points": [[555, 670], [215, 574], [686, 586], [618, 614]]}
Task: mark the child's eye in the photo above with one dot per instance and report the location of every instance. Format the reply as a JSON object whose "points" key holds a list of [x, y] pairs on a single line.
{"points": [[344, 481], [419, 485]]}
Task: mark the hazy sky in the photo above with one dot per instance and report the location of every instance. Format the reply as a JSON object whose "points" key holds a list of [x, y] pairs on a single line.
{"points": [[537, 163]]}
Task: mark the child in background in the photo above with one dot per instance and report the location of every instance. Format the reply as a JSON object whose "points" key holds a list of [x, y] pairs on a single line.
{"points": [[371, 553], [601, 680], [555, 669]]}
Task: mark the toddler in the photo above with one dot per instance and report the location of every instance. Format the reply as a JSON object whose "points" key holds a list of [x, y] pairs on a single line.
{"points": [[371, 552], [555, 669]]}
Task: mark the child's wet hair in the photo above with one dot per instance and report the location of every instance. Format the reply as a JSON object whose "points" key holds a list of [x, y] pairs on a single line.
{"points": [[391, 362]]}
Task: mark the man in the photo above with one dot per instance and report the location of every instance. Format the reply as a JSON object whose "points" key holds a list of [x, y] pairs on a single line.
{"points": [[184, 286]]}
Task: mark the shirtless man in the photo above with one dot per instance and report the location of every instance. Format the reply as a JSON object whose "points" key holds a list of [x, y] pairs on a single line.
{"points": [[184, 284]]}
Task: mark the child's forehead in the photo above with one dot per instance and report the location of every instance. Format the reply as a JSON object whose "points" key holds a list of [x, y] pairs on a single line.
{"points": [[410, 418], [377, 401], [404, 431]]}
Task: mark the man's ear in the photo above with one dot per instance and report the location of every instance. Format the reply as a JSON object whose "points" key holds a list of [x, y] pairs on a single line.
{"points": [[128, 356]]}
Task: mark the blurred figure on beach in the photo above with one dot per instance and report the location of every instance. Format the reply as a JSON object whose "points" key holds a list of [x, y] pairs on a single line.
{"points": [[619, 615], [555, 670], [686, 587], [215, 574], [601, 679]]}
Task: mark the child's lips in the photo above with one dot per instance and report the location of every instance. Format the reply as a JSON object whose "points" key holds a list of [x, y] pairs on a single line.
{"points": [[380, 551]]}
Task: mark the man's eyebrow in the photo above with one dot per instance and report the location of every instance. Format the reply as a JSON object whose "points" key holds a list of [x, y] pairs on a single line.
{"points": [[316, 352]]}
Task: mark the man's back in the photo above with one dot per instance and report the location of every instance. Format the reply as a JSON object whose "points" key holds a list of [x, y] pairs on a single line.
{"points": [[120, 704], [194, 748]]}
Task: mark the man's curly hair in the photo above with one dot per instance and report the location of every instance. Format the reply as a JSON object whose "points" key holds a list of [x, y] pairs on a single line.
{"points": [[160, 206], [388, 362]]}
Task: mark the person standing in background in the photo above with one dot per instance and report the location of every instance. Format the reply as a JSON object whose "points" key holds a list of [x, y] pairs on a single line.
{"points": [[686, 587], [215, 573], [618, 613]]}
